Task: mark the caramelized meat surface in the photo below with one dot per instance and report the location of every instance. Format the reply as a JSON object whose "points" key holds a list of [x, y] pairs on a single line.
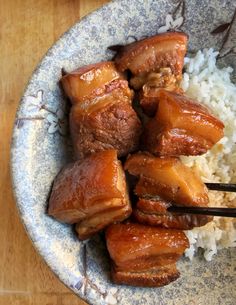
{"points": [[151, 55], [134, 246], [156, 205], [162, 79], [181, 127], [168, 178], [101, 116], [89, 81], [91, 192], [144, 255], [89, 226], [149, 94], [155, 213], [112, 123], [153, 277]]}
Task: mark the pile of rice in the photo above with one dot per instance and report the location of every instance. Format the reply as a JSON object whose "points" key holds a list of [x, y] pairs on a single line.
{"points": [[211, 86]]}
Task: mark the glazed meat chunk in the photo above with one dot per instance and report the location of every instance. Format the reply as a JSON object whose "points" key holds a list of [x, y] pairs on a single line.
{"points": [[154, 54], [144, 256], [167, 178], [181, 126], [101, 116], [154, 212], [91, 192]]}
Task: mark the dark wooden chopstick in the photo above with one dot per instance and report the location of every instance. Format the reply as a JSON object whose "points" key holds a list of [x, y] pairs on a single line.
{"points": [[226, 187], [225, 212]]}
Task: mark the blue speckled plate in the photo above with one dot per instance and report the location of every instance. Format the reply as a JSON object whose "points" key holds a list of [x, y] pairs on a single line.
{"points": [[41, 147]]}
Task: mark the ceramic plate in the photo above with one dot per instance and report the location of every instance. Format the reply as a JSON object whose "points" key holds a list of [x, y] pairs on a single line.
{"points": [[41, 147]]}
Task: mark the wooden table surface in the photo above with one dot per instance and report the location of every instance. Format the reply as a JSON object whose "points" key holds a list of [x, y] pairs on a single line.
{"points": [[27, 29]]}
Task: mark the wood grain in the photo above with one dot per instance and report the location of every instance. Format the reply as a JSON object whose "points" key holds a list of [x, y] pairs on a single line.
{"points": [[27, 29]]}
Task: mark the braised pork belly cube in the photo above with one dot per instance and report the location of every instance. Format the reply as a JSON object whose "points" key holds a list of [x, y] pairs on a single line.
{"points": [[91, 192], [110, 123], [167, 178], [101, 116], [154, 212], [152, 54], [181, 126], [143, 255]]}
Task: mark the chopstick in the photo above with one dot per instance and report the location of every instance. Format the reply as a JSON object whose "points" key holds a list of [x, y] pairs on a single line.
{"points": [[226, 187], [225, 212]]}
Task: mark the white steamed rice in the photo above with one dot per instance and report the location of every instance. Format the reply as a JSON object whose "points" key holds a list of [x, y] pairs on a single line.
{"points": [[211, 86]]}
